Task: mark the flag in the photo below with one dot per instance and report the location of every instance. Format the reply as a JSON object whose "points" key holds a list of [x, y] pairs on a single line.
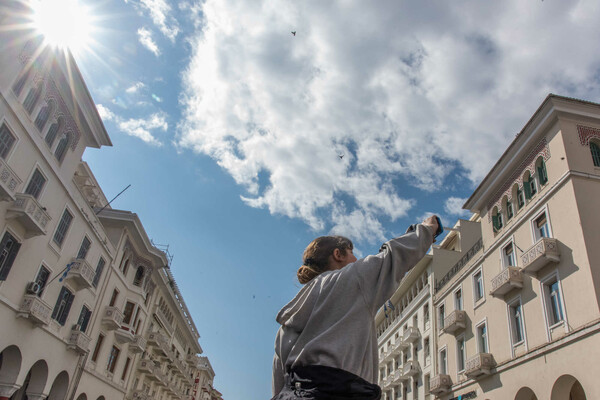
{"points": [[390, 305], [67, 269], [385, 310]]}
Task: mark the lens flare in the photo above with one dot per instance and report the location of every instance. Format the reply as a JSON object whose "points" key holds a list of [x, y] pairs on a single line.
{"points": [[64, 23]]}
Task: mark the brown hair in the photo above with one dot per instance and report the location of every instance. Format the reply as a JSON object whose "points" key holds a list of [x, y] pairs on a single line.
{"points": [[315, 259]]}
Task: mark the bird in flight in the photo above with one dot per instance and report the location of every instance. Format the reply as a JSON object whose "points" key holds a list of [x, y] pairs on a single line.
{"points": [[340, 156], [294, 33]]}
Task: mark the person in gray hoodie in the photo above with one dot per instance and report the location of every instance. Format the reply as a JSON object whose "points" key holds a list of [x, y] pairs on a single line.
{"points": [[326, 347]]}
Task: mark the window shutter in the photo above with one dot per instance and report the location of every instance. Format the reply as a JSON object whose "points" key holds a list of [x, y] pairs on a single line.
{"points": [[10, 258], [595, 154], [527, 189], [57, 305], [65, 313], [543, 173], [495, 222]]}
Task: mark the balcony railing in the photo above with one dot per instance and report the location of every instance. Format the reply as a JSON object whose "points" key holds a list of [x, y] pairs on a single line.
{"points": [[113, 318], [510, 278], [30, 214], [9, 181], [81, 275], [411, 334], [164, 320], [33, 308], [79, 341], [398, 374], [140, 395], [138, 345], [410, 368], [161, 344], [124, 334], [147, 366], [480, 364], [540, 254], [440, 384], [456, 320]]}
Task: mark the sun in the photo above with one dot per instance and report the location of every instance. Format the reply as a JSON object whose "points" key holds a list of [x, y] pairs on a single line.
{"points": [[63, 23]]}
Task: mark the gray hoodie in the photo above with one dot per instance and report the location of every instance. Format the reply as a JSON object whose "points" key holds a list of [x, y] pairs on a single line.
{"points": [[331, 321]]}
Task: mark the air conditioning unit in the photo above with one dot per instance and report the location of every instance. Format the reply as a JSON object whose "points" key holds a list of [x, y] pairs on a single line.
{"points": [[33, 288]]}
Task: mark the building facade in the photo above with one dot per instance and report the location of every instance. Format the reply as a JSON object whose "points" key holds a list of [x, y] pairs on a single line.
{"points": [[516, 294], [89, 308]]}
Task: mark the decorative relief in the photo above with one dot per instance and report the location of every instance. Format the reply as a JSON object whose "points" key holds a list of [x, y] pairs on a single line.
{"points": [[61, 110], [586, 133], [528, 164]]}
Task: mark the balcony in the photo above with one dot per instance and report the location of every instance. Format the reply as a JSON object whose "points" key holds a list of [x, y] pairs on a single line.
{"points": [[124, 334], [161, 344], [81, 275], [79, 341], [411, 368], [440, 384], [146, 366], [8, 182], [164, 320], [398, 376], [138, 345], [539, 255], [33, 308], [411, 335], [481, 364], [192, 359], [140, 395], [455, 321], [113, 318], [30, 214], [510, 278]]}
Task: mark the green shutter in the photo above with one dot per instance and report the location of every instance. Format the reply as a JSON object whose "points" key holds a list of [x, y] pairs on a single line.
{"points": [[543, 173], [527, 189], [495, 222], [595, 154]]}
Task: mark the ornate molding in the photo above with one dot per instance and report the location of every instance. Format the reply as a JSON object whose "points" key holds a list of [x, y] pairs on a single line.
{"points": [[61, 110], [528, 164], [586, 134]]}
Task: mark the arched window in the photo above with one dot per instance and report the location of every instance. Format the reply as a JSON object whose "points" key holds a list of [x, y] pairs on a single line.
{"points": [[32, 98], [53, 132], [595, 150], [497, 219], [529, 185], [61, 147], [43, 115], [507, 203], [541, 171], [139, 276], [20, 84]]}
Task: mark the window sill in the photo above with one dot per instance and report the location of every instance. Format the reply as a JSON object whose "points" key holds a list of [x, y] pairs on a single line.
{"points": [[478, 303], [556, 325], [515, 345]]}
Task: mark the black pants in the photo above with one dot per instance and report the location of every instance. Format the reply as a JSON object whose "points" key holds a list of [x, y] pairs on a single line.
{"points": [[316, 382]]}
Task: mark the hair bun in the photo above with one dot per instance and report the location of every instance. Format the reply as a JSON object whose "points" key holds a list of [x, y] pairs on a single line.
{"points": [[306, 274]]}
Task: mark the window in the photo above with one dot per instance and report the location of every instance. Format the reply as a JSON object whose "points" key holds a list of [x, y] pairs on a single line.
{"points": [[20, 84], [415, 389], [97, 348], [516, 322], [63, 305], [482, 340], [124, 266], [84, 319], [441, 316], [36, 184], [98, 273], [509, 258], [541, 228], [426, 350], [458, 302], [443, 362], [139, 276], [426, 383], [6, 140], [128, 312], [113, 298], [426, 316], [509, 210], [497, 219], [41, 279], [520, 198], [52, 133], [460, 354], [63, 227], [61, 147], [416, 321], [42, 117], [542, 172], [125, 368], [553, 301], [9, 247], [478, 286], [595, 150], [532, 186], [112, 359], [32, 98], [84, 248]]}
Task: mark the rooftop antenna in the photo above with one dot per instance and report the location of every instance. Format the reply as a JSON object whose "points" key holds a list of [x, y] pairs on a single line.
{"points": [[98, 212]]}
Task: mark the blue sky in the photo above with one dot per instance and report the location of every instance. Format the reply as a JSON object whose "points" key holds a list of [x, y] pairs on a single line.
{"points": [[229, 129]]}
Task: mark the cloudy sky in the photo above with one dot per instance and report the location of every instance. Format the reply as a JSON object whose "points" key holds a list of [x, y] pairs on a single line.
{"points": [[243, 141]]}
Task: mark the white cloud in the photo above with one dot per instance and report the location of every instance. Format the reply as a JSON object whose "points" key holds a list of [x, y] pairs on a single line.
{"points": [[404, 90], [135, 87], [145, 38], [160, 12], [141, 128], [453, 206]]}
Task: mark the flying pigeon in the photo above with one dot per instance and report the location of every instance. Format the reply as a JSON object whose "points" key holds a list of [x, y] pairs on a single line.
{"points": [[294, 33], [340, 156]]}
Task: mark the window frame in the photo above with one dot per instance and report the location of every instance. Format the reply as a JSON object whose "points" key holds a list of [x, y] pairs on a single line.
{"points": [[511, 324], [67, 209], [83, 252], [42, 188], [441, 316], [61, 316], [11, 256], [100, 265], [504, 262], [98, 346], [478, 301], [459, 370], [111, 365], [443, 368], [45, 266], [596, 156], [547, 303], [9, 151], [483, 323], [462, 298], [532, 223]]}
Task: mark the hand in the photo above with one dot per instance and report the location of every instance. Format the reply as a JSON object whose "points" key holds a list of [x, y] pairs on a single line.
{"points": [[431, 222]]}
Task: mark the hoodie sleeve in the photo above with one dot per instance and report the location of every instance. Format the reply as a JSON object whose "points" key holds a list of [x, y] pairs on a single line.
{"points": [[278, 368], [380, 275]]}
